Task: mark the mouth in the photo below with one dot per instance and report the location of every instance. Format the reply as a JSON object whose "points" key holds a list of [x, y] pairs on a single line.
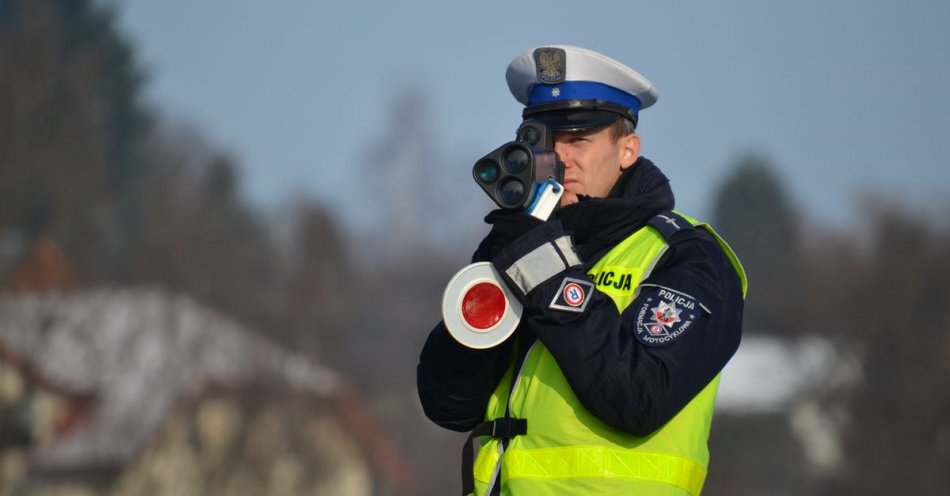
{"points": [[570, 186]]}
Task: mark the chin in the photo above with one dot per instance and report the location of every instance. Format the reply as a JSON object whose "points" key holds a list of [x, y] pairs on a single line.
{"points": [[568, 199]]}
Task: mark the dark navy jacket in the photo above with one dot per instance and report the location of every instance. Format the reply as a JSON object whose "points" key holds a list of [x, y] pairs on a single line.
{"points": [[624, 380]]}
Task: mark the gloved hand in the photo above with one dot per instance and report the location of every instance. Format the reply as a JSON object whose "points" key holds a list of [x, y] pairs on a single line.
{"points": [[507, 225]]}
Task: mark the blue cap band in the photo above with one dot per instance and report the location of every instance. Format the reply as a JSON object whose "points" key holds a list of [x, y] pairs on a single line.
{"points": [[582, 90]]}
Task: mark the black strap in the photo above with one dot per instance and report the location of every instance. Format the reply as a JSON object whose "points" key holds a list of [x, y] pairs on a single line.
{"points": [[501, 428]]}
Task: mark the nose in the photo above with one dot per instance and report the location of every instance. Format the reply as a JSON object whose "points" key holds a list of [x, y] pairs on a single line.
{"points": [[561, 150]]}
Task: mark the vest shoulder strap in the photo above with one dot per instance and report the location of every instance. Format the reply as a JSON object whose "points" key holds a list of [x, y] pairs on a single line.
{"points": [[668, 223]]}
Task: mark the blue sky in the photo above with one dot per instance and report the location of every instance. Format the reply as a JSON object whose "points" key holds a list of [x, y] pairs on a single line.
{"points": [[845, 97]]}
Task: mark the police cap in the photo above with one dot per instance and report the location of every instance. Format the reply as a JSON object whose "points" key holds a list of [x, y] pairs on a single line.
{"points": [[574, 89]]}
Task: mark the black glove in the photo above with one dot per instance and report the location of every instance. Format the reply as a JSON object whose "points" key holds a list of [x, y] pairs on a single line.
{"points": [[507, 225]]}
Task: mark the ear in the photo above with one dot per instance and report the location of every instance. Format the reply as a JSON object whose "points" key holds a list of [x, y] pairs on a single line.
{"points": [[629, 150]]}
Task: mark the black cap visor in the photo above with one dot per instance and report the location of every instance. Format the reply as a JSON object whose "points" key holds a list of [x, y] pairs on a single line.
{"points": [[578, 115]]}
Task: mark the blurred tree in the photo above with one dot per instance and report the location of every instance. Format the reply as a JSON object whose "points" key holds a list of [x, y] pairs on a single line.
{"points": [[314, 292], [892, 302], [82, 161], [400, 182], [199, 236], [413, 196], [753, 213], [70, 128]]}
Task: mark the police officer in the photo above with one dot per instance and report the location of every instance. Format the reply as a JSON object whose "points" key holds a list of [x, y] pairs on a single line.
{"points": [[631, 310]]}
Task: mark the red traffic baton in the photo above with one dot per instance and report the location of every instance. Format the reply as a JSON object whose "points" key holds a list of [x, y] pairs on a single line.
{"points": [[478, 309]]}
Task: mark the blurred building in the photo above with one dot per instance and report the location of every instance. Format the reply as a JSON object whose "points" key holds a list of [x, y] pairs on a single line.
{"points": [[781, 414], [137, 391]]}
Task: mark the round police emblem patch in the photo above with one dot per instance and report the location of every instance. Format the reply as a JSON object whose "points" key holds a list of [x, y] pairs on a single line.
{"points": [[664, 315]]}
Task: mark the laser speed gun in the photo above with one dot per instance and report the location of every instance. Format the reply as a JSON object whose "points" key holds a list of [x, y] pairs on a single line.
{"points": [[525, 174]]}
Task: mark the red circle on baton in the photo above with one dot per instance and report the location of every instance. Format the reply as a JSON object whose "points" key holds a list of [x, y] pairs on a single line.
{"points": [[483, 305]]}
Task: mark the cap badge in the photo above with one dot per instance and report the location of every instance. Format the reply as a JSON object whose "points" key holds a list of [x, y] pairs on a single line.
{"points": [[551, 63], [556, 92]]}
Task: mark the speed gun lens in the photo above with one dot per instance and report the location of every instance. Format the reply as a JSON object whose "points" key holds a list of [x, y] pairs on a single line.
{"points": [[487, 171], [516, 160], [511, 192], [530, 135]]}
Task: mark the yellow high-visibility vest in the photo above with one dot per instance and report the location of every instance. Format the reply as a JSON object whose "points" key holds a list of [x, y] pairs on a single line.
{"points": [[567, 450]]}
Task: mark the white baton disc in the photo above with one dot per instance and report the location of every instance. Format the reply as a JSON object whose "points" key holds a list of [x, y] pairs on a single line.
{"points": [[478, 309]]}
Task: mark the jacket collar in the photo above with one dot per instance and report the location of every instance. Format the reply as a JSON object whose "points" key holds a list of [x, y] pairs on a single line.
{"points": [[599, 223]]}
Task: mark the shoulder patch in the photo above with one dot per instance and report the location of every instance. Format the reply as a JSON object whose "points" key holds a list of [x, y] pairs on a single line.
{"points": [[573, 295], [664, 315], [669, 223]]}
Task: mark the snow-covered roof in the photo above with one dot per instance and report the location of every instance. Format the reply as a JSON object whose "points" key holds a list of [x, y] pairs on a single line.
{"points": [[139, 352], [767, 373]]}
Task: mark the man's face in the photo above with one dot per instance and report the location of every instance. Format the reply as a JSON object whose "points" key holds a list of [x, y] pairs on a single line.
{"points": [[593, 161]]}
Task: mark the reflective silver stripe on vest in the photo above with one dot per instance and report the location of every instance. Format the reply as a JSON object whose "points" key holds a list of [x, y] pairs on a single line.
{"points": [[543, 263], [567, 249], [496, 474]]}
